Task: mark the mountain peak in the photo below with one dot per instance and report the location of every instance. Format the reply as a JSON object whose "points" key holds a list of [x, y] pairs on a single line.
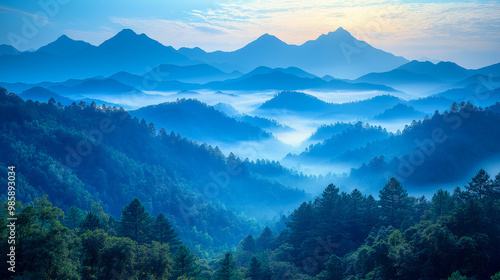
{"points": [[339, 32], [267, 38], [128, 37], [126, 32], [265, 41], [64, 46], [64, 38]]}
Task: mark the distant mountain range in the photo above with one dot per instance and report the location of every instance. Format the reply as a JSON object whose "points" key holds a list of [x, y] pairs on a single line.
{"points": [[167, 77], [41, 94], [337, 53], [196, 120], [65, 58], [306, 105], [400, 112], [354, 136], [417, 76]]}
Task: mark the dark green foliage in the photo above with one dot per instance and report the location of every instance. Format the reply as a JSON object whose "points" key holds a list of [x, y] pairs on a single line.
{"points": [[90, 222], [73, 218], [227, 268], [395, 205], [185, 263], [333, 270], [481, 185], [248, 244], [163, 232], [265, 239], [79, 154], [255, 270], [135, 223]]}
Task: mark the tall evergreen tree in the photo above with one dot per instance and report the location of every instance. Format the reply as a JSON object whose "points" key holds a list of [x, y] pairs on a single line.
{"points": [[395, 203], [226, 269], [248, 244], [185, 263], [333, 270], [301, 224], [163, 232], [265, 238], [135, 222], [442, 203], [481, 185], [90, 222], [255, 271], [73, 218]]}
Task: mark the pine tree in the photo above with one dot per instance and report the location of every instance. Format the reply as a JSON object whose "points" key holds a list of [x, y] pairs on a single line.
{"points": [[442, 203], [333, 270], [395, 203], [73, 218], [163, 232], [248, 244], [90, 222], [330, 212], [255, 271], [301, 224], [135, 222], [264, 240], [481, 185], [184, 263], [226, 269]]}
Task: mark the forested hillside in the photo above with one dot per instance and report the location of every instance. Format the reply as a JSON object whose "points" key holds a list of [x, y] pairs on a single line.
{"points": [[82, 154], [339, 235]]}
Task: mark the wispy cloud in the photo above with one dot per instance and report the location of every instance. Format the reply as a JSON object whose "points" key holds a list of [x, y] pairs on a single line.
{"points": [[6, 9], [390, 25]]}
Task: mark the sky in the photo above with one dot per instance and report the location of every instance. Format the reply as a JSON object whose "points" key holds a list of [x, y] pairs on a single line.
{"points": [[465, 32]]}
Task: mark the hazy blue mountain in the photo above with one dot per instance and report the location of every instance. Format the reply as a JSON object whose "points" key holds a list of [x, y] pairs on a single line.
{"points": [[299, 102], [64, 46], [96, 86], [227, 109], [20, 87], [415, 159], [296, 101], [43, 95], [273, 80], [367, 107], [199, 73], [397, 77], [400, 111], [479, 95], [404, 80], [131, 79], [480, 81], [492, 70], [264, 123], [8, 50], [263, 78], [338, 54], [290, 70], [355, 136], [196, 120], [431, 103], [126, 51], [327, 78], [444, 71], [327, 131]]}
